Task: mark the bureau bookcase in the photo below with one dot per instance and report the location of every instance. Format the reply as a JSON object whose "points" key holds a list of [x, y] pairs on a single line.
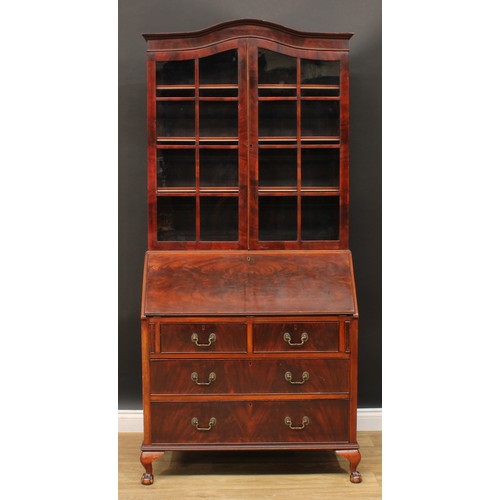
{"points": [[249, 313]]}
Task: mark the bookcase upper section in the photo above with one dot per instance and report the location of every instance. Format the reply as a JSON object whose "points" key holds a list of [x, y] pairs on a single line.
{"points": [[248, 139]]}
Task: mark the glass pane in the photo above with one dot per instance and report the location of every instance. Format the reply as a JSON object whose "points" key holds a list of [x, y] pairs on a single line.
{"points": [[320, 167], [219, 92], [277, 92], [276, 68], [218, 167], [218, 119], [176, 167], [176, 218], [320, 218], [219, 218], [175, 92], [219, 68], [277, 118], [175, 72], [319, 72], [277, 167], [175, 119], [277, 218], [325, 92], [320, 118]]}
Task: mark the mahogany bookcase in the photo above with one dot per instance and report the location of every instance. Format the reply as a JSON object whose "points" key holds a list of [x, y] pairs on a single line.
{"points": [[249, 313]]}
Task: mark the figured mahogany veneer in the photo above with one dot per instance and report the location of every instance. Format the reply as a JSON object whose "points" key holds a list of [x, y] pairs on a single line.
{"points": [[249, 376], [249, 313], [241, 422], [249, 283], [321, 337], [178, 337]]}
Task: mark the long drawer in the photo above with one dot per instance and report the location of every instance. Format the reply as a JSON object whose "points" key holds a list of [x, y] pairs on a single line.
{"points": [[203, 338], [246, 376], [296, 337], [235, 422]]}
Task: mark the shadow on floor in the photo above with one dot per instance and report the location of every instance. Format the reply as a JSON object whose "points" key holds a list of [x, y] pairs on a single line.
{"points": [[248, 463]]}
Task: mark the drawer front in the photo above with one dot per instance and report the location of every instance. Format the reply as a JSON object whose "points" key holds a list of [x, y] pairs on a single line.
{"points": [[203, 338], [296, 337], [238, 376], [238, 422]]}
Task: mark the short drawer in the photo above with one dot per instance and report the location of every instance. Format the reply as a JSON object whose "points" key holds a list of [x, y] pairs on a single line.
{"points": [[296, 337], [203, 337], [239, 422], [238, 376]]}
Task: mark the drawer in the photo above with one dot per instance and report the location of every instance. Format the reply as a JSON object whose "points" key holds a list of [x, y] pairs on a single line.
{"points": [[238, 376], [203, 337], [239, 422], [296, 337]]}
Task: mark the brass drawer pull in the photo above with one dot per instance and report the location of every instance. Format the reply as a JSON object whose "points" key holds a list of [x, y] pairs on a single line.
{"points": [[288, 422], [211, 423], [288, 338], [211, 339], [289, 376], [211, 378]]}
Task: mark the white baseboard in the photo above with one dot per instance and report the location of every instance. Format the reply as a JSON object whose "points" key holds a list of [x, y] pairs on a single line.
{"points": [[369, 419], [130, 421]]}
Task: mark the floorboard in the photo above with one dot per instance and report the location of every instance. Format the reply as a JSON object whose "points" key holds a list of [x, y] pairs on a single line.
{"points": [[286, 475]]}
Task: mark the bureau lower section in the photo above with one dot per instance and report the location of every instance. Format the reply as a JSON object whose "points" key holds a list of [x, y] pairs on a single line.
{"points": [[249, 383]]}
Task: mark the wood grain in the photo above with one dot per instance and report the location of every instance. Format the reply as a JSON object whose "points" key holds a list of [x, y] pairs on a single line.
{"points": [[321, 337], [177, 338], [244, 28], [248, 283], [256, 422], [243, 376]]}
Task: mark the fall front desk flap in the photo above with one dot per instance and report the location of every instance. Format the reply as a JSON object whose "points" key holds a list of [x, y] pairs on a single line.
{"points": [[248, 283]]}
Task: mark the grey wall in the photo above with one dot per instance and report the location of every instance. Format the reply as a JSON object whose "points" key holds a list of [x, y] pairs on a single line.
{"points": [[363, 17]]}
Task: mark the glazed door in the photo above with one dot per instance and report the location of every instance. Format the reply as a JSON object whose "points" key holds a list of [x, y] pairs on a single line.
{"points": [[299, 147], [248, 147], [197, 144]]}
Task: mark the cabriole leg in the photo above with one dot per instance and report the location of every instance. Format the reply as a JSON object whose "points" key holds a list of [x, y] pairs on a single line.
{"points": [[354, 457], [147, 458]]}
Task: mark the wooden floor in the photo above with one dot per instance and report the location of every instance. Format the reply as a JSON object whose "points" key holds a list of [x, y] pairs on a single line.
{"points": [[250, 475]]}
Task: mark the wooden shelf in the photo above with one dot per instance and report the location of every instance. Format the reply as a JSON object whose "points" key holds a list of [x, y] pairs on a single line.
{"points": [[307, 191], [294, 98], [278, 98], [277, 85], [320, 98], [278, 139], [320, 146], [193, 139], [320, 138], [199, 146], [180, 98], [313, 86], [320, 191], [307, 86], [309, 139], [218, 139], [214, 86], [191, 191], [175, 139]]}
